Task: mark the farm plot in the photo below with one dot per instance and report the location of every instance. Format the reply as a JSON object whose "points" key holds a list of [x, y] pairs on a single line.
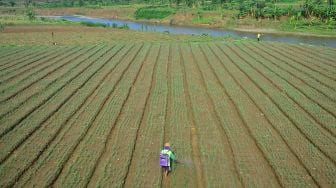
{"points": [[236, 114]]}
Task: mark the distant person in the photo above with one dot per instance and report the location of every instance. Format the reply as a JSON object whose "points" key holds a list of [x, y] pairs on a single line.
{"points": [[258, 36], [166, 156], [52, 37]]}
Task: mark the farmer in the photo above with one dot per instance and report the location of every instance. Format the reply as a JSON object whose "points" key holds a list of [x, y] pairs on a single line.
{"points": [[258, 36], [166, 156]]}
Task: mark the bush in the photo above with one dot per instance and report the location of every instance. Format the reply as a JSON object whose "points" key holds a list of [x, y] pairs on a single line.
{"points": [[31, 14], [153, 13], [124, 26], [92, 24], [2, 27]]}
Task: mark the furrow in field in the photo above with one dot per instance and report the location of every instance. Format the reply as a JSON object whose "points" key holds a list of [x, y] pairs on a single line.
{"points": [[301, 63], [63, 113], [317, 60], [6, 50], [322, 78], [216, 154], [16, 87], [126, 125], [310, 159], [247, 153], [297, 113], [194, 140], [20, 82], [69, 135], [166, 130], [16, 100], [8, 53], [12, 118], [29, 60], [86, 155], [270, 141], [149, 135], [302, 70], [304, 79], [33, 121], [313, 64], [15, 58], [179, 128], [328, 56], [317, 106], [12, 88], [38, 66]]}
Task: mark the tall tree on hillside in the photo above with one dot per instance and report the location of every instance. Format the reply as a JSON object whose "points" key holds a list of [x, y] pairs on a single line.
{"points": [[27, 3], [331, 2], [12, 3]]}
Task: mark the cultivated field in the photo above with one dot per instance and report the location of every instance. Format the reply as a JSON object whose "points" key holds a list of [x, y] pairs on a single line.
{"points": [[238, 114]]}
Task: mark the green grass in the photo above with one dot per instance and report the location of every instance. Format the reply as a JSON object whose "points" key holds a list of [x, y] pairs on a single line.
{"points": [[10, 20], [153, 13], [203, 20]]}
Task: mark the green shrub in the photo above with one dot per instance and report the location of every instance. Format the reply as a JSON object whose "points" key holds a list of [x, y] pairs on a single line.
{"points": [[2, 27], [91, 24], [153, 13], [124, 26], [30, 13]]}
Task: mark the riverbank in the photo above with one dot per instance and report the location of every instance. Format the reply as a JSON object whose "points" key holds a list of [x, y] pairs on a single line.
{"points": [[195, 18]]}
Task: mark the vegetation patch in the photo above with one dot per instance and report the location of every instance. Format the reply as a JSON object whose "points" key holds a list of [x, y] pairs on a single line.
{"points": [[201, 19], [153, 12], [91, 24]]}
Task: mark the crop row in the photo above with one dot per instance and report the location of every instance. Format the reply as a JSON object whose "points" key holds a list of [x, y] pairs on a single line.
{"points": [[307, 98], [8, 52], [64, 143], [326, 54], [30, 131], [149, 134], [294, 63], [26, 61], [40, 85], [236, 114], [293, 109], [310, 59], [274, 106], [29, 100], [214, 144], [17, 56], [303, 79], [35, 67], [181, 132], [20, 82], [88, 154]]}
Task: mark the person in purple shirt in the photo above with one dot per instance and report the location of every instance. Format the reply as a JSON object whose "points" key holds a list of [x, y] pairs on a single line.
{"points": [[166, 155]]}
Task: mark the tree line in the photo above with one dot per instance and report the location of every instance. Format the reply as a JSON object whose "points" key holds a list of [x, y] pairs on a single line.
{"points": [[259, 9]]}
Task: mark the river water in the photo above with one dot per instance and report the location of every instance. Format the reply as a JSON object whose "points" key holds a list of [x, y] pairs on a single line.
{"points": [[320, 41]]}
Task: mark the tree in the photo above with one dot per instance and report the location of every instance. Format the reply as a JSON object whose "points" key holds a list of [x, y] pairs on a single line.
{"points": [[331, 2], [27, 3], [30, 13], [12, 3]]}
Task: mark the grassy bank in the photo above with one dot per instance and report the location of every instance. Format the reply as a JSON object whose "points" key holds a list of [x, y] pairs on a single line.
{"points": [[217, 18]]}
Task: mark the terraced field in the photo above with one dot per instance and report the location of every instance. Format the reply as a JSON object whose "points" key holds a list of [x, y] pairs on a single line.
{"points": [[237, 115]]}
